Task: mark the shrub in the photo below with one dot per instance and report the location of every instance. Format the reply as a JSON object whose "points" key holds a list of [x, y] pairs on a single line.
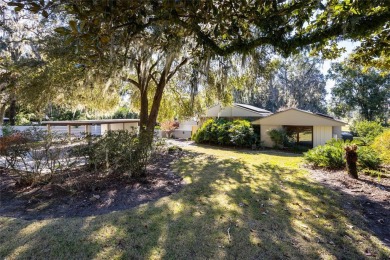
{"points": [[329, 156], [278, 136], [7, 130], [381, 145], [241, 133], [367, 130], [368, 158], [119, 152], [223, 132]]}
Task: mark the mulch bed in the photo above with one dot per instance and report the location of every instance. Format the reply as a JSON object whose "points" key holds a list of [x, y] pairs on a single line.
{"points": [[369, 196], [81, 193]]}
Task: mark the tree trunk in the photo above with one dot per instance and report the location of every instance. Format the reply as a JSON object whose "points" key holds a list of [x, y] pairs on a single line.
{"points": [[2, 113], [144, 111], [12, 112], [351, 158]]}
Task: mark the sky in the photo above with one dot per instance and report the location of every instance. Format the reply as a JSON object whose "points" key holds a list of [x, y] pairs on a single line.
{"points": [[349, 46]]}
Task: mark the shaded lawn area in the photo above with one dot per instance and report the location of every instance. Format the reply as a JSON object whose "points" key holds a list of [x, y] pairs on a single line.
{"points": [[236, 205]]}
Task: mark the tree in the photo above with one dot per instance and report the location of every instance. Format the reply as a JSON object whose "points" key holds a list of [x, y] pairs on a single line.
{"points": [[211, 27], [367, 92], [293, 82]]}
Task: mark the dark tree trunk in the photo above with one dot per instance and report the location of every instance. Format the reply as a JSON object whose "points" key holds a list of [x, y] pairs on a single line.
{"points": [[12, 112], [144, 111], [351, 158], [2, 113]]}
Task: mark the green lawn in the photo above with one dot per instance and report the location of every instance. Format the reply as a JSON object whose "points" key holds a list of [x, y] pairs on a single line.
{"points": [[236, 205]]}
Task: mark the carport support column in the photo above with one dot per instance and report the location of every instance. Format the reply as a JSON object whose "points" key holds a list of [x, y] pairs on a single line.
{"points": [[88, 133], [69, 133]]}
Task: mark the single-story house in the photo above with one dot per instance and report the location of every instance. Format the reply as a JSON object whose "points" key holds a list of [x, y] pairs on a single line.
{"points": [[310, 129]]}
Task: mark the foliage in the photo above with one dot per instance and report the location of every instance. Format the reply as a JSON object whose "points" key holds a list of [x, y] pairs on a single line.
{"points": [[119, 152], [58, 113], [290, 82], [278, 136], [381, 145], [368, 158], [366, 130], [169, 127], [7, 130], [223, 132], [124, 113], [367, 92], [282, 24], [147, 44], [330, 155]]}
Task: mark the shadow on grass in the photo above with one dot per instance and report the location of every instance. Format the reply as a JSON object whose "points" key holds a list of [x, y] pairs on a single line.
{"points": [[228, 209]]}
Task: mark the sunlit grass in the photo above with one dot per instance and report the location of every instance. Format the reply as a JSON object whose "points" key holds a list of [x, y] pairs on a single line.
{"points": [[236, 204]]}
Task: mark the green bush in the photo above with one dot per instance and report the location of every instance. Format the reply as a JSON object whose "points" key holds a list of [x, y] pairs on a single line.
{"points": [[366, 130], [368, 158], [119, 152], [223, 132], [278, 136], [329, 156], [381, 145]]}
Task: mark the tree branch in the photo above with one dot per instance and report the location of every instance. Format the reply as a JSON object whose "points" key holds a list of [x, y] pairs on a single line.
{"points": [[171, 74]]}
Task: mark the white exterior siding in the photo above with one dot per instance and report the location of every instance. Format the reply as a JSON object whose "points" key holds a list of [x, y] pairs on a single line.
{"points": [[321, 134], [264, 134]]}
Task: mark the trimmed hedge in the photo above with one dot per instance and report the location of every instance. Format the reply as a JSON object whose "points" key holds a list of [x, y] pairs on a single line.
{"points": [[222, 132]]}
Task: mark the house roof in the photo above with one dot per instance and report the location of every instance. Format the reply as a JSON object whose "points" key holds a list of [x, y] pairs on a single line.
{"points": [[295, 116], [253, 108], [237, 110]]}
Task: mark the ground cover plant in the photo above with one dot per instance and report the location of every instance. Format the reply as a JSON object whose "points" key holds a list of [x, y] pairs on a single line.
{"points": [[235, 204]]}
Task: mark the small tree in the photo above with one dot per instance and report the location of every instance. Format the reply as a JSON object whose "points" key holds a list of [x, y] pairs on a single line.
{"points": [[169, 127]]}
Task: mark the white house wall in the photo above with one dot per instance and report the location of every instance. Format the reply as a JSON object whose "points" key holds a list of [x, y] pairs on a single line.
{"points": [[321, 134]]}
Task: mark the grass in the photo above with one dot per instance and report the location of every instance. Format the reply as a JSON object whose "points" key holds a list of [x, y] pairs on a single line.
{"points": [[236, 205]]}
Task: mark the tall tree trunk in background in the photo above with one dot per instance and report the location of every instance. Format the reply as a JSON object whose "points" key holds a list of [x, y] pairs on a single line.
{"points": [[2, 113], [351, 158], [12, 112]]}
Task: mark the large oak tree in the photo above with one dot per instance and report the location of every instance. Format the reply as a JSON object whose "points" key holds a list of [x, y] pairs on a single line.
{"points": [[105, 29]]}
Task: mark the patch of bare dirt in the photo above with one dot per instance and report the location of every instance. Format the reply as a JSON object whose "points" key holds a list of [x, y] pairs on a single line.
{"points": [[81, 193], [369, 196]]}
